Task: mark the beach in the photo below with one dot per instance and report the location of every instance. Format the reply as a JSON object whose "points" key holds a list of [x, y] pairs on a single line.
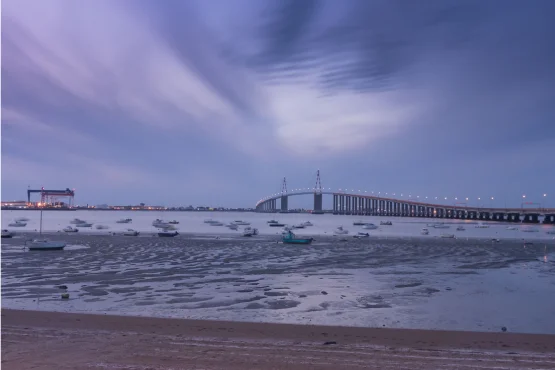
{"points": [[217, 300], [46, 340]]}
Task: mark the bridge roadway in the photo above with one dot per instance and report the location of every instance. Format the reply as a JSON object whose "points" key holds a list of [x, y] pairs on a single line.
{"points": [[356, 204]]}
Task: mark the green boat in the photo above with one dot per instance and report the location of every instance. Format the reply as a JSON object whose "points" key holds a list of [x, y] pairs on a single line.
{"points": [[290, 238]]}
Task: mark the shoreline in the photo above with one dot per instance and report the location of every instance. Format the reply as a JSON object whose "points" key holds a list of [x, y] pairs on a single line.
{"points": [[75, 340]]}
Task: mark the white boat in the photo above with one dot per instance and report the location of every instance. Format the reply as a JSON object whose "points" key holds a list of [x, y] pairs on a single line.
{"points": [[23, 219], [308, 223], [512, 228], [131, 232], [530, 230], [44, 244], [461, 228], [7, 234], [241, 223], [441, 226], [77, 221], [84, 224], [124, 221], [358, 223], [361, 235], [448, 236], [386, 223], [298, 226], [160, 224], [18, 224], [70, 229], [249, 231], [370, 226], [425, 231], [340, 231], [481, 226], [101, 227]]}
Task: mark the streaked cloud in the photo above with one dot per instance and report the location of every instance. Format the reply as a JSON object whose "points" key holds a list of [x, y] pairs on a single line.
{"points": [[236, 94]]}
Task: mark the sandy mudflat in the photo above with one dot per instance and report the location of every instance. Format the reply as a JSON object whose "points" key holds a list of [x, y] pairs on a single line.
{"points": [[47, 340]]}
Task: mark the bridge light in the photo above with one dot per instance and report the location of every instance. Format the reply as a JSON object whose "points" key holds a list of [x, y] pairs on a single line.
{"points": [[524, 196], [545, 195], [491, 198], [445, 198], [466, 198]]}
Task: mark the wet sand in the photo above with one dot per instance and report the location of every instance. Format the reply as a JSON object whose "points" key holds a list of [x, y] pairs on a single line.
{"points": [[443, 284], [47, 340]]}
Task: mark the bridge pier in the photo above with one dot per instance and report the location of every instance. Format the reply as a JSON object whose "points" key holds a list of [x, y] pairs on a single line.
{"points": [[549, 219], [318, 204], [513, 217], [484, 216], [284, 203], [498, 216], [531, 218]]}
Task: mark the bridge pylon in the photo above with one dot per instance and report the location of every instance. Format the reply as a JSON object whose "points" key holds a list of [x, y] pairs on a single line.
{"points": [[318, 195], [284, 199]]}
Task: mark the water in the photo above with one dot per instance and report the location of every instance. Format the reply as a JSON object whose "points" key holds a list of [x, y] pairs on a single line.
{"points": [[395, 278], [192, 222]]}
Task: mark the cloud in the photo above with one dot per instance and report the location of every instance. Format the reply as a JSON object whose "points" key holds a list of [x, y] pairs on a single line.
{"points": [[224, 97]]}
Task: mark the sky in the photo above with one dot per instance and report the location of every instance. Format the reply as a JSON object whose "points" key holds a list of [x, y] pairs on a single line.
{"points": [[214, 102]]}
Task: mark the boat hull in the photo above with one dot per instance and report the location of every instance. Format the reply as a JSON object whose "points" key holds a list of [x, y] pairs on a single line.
{"points": [[57, 248], [298, 241], [167, 235]]}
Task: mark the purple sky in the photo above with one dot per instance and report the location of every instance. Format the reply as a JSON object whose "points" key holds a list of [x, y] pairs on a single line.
{"points": [[179, 102]]}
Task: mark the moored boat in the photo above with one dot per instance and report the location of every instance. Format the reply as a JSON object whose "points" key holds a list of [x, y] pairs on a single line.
{"points": [[512, 228], [76, 221], [290, 238], [17, 224], [370, 226], [131, 232], [249, 231], [44, 244], [84, 224], [276, 224], [124, 221], [101, 227], [424, 231], [461, 228], [22, 219], [386, 223], [174, 222], [359, 223], [70, 229], [241, 223], [232, 226], [7, 234], [307, 223], [361, 235], [160, 224], [441, 226], [481, 226]]}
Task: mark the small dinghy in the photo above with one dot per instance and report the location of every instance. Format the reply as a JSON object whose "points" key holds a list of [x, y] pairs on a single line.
{"points": [[131, 232], [425, 231], [18, 224], [461, 228], [249, 231], [290, 238], [124, 221], [386, 223], [361, 235], [369, 226], [70, 229]]}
